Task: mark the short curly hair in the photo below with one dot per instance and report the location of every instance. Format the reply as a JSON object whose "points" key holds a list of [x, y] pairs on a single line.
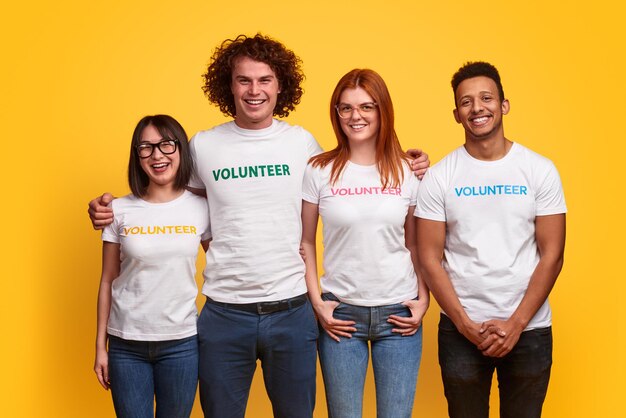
{"points": [[477, 69], [284, 62]]}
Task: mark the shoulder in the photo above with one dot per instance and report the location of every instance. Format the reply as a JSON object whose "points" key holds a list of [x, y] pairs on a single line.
{"points": [[537, 166], [282, 127], [317, 170], [449, 162], [124, 202], [532, 156], [193, 198], [217, 131]]}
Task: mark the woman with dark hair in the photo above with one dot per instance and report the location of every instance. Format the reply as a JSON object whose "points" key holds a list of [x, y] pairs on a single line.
{"points": [[146, 302], [365, 193]]}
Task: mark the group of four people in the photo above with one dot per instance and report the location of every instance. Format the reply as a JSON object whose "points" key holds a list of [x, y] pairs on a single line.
{"points": [[492, 210]]}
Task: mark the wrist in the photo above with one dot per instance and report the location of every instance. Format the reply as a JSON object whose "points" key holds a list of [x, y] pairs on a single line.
{"points": [[518, 323]]}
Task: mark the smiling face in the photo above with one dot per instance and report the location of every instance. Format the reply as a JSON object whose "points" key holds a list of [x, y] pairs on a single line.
{"points": [[360, 127], [479, 108], [255, 89], [160, 168]]}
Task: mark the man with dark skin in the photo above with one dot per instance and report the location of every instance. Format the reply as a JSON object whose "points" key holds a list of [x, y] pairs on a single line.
{"points": [[491, 222]]}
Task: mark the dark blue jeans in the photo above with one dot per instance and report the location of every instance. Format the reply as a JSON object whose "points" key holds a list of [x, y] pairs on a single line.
{"points": [[144, 371], [523, 374], [232, 340]]}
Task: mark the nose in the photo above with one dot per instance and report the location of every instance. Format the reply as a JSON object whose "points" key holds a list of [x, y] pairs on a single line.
{"points": [[477, 106], [156, 153], [358, 113], [254, 88]]}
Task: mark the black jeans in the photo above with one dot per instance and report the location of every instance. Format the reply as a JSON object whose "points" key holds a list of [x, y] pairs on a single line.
{"points": [[523, 374]]}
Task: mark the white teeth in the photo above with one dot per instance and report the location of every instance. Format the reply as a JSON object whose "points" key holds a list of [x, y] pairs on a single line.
{"points": [[480, 120], [357, 126], [161, 165], [254, 102]]}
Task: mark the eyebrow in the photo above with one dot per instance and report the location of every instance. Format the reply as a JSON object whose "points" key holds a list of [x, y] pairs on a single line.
{"points": [[263, 77], [141, 142], [358, 104]]}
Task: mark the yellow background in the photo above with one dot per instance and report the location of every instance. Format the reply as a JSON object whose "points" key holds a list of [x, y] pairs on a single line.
{"points": [[76, 76]]}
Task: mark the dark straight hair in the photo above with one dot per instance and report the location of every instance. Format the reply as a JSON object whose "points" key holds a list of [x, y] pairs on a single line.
{"points": [[169, 128]]}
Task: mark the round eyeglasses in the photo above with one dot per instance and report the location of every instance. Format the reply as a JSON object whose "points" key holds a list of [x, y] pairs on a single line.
{"points": [[167, 146], [345, 110]]}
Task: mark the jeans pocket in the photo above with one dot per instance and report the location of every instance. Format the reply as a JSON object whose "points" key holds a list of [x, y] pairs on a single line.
{"points": [[446, 325]]}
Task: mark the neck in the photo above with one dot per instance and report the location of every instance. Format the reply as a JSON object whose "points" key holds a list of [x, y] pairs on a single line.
{"points": [[253, 125], [157, 193], [363, 153], [488, 149]]}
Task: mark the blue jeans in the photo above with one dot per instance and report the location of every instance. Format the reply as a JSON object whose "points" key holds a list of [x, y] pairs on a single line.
{"points": [[232, 340], [395, 360], [142, 371], [523, 374]]}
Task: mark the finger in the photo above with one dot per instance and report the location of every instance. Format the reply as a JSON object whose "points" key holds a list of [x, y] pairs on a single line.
{"points": [[106, 198], [404, 324], [402, 318], [331, 335], [102, 211], [100, 378], [340, 322], [488, 326], [405, 331], [414, 152], [488, 342], [341, 333], [101, 224], [342, 328]]}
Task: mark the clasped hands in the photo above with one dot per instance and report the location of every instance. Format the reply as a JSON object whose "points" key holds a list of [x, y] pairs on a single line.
{"points": [[495, 338]]}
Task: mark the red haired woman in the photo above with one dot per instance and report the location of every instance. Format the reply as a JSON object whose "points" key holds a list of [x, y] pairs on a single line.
{"points": [[371, 300]]}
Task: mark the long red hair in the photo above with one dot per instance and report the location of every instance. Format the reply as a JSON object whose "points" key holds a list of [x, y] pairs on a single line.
{"points": [[389, 154]]}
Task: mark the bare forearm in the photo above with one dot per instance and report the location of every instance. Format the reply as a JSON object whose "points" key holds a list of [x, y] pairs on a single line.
{"points": [[541, 283], [310, 277], [104, 309], [550, 236], [439, 284]]}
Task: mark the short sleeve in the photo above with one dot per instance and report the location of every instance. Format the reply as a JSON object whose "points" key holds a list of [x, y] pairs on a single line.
{"points": [[550, 199], [414, 184], [206, 235], [311, 184], [110, 233], [194, 182], [313, 148], [430, 199]]}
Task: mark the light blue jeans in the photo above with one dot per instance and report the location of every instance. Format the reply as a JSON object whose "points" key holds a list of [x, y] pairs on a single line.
{"points": [[395, 360]]}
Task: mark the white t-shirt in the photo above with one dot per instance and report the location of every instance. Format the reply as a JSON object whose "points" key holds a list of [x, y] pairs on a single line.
{"points": [[253, 180], [154, 297], [366, 261], [490, 208]]}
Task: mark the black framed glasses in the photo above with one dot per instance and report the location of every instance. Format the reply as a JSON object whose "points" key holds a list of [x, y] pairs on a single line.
{"points": [[345, 110], [166, 146]]}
